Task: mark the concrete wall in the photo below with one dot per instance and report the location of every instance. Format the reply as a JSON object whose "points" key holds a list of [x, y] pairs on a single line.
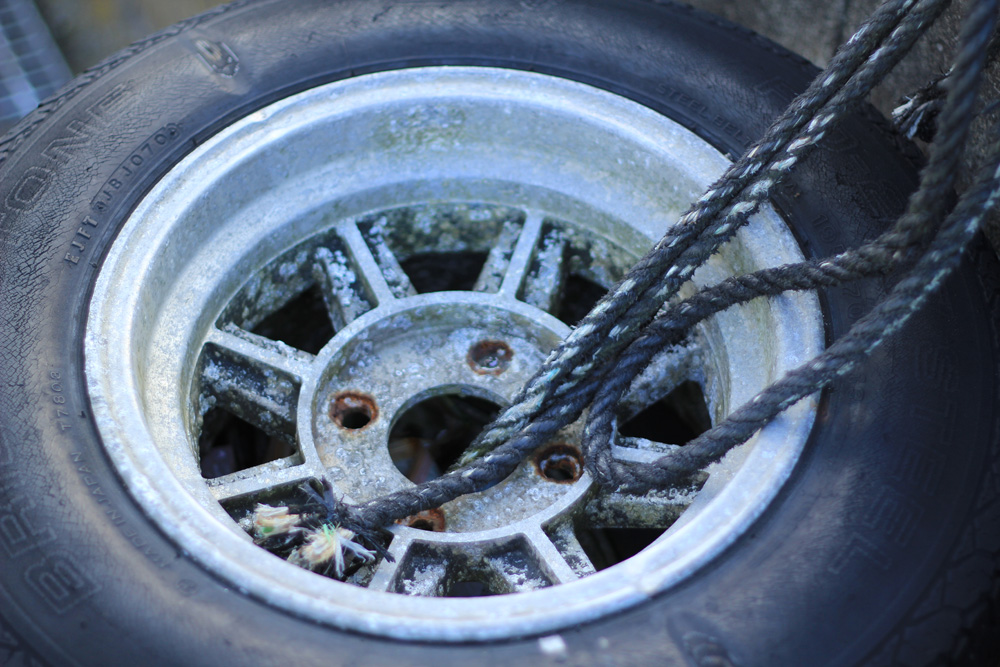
{"points": [[814, 29], [90, 29]]}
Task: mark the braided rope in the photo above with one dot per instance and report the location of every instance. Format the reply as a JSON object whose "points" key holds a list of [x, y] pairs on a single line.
{"points": [[616, 318], [617, 339], [542, 406], [868, 333], [925, 208]]}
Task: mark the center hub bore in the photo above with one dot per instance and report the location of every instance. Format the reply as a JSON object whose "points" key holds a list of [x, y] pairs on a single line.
{"points": [[436, 359]]}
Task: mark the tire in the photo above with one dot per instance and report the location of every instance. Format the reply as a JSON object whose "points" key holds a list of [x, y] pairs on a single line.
{"points": [[880, 546]]}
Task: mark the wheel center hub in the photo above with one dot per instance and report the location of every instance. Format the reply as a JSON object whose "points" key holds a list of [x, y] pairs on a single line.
{"points": [[400, 387]]}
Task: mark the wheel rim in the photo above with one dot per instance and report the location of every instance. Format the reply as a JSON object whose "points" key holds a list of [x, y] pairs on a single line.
{"points": [[334, 187]]}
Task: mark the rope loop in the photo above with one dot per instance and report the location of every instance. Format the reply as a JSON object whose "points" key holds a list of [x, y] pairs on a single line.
{"points": [[591, 370]]}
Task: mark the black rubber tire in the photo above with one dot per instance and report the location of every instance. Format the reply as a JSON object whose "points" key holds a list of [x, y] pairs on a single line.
{"points": [[883, 548]]}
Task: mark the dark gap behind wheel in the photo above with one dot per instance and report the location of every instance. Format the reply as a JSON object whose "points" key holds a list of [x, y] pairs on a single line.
{"points": [[228, 444], [429, 437], [609, 546], [578, 298], [302, 322], [468, 589], [443, 271], [677, 418]]}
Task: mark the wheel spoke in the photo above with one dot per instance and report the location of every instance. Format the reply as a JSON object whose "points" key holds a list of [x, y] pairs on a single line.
{"points": [[657, 509], [378, 267], [665, 372], [549, 558], [260, 352], [523, 254], [498, 262], [420, 569], [654, 510], [384, 578], [640, 450], [344, 294], [254, 378], [564, 537], [542, 286], [282, 472]]}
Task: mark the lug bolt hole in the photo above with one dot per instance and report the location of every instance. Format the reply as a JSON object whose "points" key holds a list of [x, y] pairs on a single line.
{"points": [[429, 520], [353, 410], [490, 357], [562, 463]]}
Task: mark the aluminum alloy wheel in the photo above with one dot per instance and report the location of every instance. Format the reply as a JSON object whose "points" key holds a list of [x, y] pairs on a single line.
{"points": [[337, 191]]}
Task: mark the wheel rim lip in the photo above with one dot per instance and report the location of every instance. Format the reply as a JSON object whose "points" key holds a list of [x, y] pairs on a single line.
{"points": [[152, 481]]}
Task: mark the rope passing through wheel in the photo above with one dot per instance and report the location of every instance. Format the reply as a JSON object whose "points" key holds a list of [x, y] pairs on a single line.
{"points": [[613, 343], [358, 269]]}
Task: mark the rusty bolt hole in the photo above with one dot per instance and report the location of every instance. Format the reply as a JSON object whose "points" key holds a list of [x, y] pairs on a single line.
{"points": [[560, 463], [353, 410], [490, 357], [429, 520]]}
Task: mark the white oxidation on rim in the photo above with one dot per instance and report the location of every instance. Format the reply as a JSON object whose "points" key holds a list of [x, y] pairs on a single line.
{"points": [[551, 147]]}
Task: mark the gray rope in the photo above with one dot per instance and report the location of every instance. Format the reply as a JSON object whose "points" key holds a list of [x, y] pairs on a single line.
{"points": [[617, 319], [615, 341], [916, 115], [884, 254]]}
